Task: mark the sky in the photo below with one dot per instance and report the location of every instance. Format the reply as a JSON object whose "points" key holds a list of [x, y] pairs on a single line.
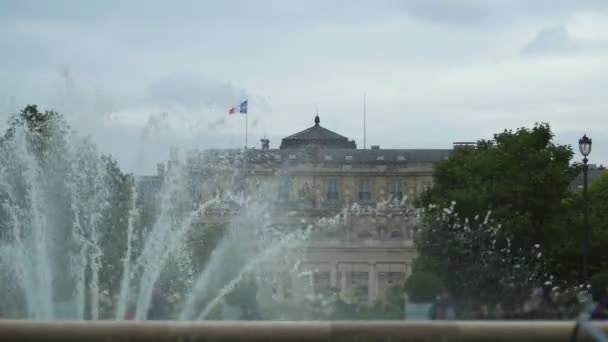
{"points": [[140, 77]]}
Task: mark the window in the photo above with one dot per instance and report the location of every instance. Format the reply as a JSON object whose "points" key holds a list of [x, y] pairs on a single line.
{"points": [[332, 189], [321, 281], [364, 194], [284, 188], [396, 189], [395, 234], [395, 278], [359, 283]]}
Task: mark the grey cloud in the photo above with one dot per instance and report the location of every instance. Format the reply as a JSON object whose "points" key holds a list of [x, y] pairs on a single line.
{"points": [[103, 102], [192, 91], [496, 12], [216, 123], [122, 57], [552, 40], [457, 11], [158, 124], [556, 40]]}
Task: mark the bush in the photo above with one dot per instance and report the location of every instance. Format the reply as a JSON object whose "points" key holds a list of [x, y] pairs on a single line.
{"points": [[599, 283], [422, 287]]}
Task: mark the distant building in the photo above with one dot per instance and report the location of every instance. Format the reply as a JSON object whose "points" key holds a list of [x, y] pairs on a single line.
{"points": [[594, 173], [317, 173]]}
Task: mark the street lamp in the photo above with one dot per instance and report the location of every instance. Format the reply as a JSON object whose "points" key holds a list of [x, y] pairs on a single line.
{"points": [[584, 145]]}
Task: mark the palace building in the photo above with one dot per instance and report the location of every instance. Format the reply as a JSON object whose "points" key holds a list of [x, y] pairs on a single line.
{"points": [[368, 193]]}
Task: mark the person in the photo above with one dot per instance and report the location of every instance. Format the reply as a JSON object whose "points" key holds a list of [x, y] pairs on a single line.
{"points": [[484, 312], [499, 312], [433, 310], [443, 308], [158, 308], [601, 310], [531, 307], [249, 304], [131, 312]]}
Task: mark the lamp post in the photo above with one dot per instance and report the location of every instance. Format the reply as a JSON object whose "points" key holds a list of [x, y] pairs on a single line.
{"points": [[584, 145]]}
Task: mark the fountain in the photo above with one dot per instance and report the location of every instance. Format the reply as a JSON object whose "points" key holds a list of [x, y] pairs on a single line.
{"points": [[74, 243], [78, 243]]}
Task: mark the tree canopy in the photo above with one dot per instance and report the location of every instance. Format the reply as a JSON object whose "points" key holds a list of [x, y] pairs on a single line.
{"points": [[423, 287], [492, 208], [565, 241]]}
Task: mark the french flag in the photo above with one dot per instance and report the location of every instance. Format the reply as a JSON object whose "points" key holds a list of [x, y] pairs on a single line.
{"points": [[242, 108]]}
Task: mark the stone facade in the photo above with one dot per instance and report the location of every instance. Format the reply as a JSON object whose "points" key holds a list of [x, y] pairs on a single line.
{"points": [[594, 173], [368, 193]]}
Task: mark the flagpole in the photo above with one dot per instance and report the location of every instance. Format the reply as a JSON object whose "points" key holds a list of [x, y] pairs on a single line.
{"points": [[246, 126], [364, 125]]}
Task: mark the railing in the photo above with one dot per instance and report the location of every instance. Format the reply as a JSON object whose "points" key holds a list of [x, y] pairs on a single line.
{"points": [[397, 195], [11, 330], [334, 204]]}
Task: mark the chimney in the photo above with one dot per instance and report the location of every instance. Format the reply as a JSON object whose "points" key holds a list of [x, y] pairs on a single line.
{"points": [[174, 155], [464, 144], [173, 158], [160, 170], [265, 144]]}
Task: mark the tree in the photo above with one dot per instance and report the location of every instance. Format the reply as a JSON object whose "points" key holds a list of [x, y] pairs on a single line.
{"points": [[491, 210], [476, 259], [42, 126], [37, 157], [115, 222], [521, 175], [51, 179], [599, 284], [566, 240], [423, 287]]}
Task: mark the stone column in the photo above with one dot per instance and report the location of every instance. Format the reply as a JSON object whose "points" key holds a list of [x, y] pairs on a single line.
{"points": [[372, 282], [333, 275], [311, 282], [343, 281]]}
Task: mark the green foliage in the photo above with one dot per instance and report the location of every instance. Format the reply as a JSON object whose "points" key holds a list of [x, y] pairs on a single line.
{"points": [[203, 239], [521, 175], [33, 120], [115, 222], [492, 211], [476, 259], [45, 135], [422, 287], [565, 242], [244, 295], [395, 295], [599, 285], [215, 314], [44, 127], [85, 194]]}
